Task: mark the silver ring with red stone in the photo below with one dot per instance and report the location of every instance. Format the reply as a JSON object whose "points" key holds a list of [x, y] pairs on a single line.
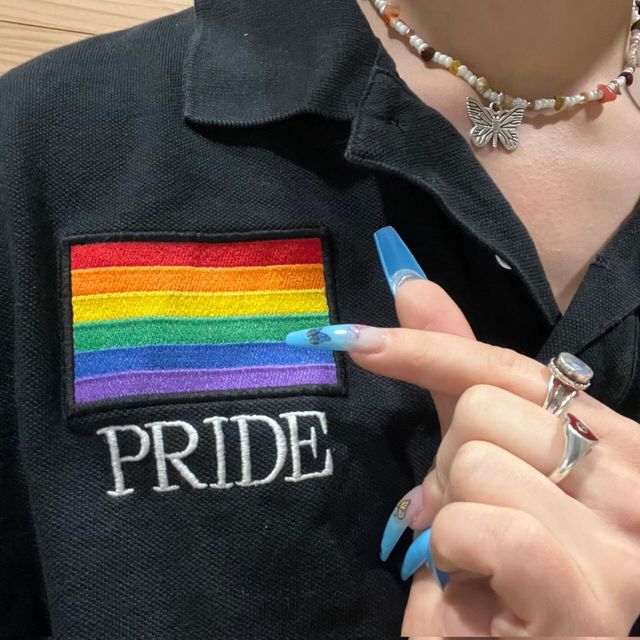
{"points": [[569, 375], [579, 441]]}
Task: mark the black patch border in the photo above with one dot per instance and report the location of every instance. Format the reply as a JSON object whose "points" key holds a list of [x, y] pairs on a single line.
{"points": [[66, 313]]}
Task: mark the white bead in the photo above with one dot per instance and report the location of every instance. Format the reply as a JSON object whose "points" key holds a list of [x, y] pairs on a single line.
{"points": [[494, 96], [487, 94], [622, 81], [462, 70], [448, 61], [537, 105], [381, 5], [416, 41], [400, 27], [472, 80], [422, 47]]}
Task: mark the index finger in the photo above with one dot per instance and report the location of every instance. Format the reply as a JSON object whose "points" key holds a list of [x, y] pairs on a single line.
{"points": [[451, 364]]}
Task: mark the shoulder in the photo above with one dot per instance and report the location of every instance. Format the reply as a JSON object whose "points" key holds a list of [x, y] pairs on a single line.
{"points": [[73, 80]]}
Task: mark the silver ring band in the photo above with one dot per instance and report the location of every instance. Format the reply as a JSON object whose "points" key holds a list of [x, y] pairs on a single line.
{"points": [[579, 440], [569, 375]]}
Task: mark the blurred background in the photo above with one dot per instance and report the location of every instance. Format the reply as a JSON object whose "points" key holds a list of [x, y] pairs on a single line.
{"points": [[31, 27]]}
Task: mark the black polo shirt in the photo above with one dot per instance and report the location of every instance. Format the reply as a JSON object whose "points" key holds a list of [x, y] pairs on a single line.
{"points": [[249, 497]]}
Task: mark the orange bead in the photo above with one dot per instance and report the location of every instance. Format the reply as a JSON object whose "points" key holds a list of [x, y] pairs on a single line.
{"points": [[608, 95], [392, 11]]}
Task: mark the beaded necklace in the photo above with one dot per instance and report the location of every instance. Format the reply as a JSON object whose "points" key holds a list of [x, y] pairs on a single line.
{"points": [[500, 120]]}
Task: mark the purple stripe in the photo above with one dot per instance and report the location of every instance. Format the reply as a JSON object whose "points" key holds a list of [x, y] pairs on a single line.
{"points": [[140, 383]]}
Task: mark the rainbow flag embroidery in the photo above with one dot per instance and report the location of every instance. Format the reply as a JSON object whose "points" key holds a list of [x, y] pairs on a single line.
{"points": [[160, 318]]}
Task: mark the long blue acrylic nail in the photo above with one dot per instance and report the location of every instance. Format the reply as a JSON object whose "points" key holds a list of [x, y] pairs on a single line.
{"points": [[419, 553], [403, 514], [398, 263], [339, 337]]}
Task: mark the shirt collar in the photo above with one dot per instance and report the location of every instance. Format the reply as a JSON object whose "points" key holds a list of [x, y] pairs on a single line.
{"points": [[252, 62]]}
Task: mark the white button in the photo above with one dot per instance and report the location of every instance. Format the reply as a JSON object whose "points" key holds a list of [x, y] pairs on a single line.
{"points": [[502, 263]]}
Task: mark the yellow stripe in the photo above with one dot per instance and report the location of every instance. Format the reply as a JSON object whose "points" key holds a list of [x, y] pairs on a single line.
{"points": [[181, 304]]}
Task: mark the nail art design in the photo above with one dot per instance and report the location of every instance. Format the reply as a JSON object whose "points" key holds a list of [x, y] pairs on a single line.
{"points": [[339, 337], [419, 553], [400, 519], [398, 263]]}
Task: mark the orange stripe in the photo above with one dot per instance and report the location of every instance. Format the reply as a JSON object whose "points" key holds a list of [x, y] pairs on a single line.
{"points": [[124, 279]]}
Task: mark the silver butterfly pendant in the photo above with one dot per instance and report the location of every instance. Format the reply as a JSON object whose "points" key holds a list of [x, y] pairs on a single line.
{"points": [[493, 123]]}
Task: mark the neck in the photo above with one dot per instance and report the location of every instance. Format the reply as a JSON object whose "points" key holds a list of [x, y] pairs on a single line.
{"points": [[528, 48]]}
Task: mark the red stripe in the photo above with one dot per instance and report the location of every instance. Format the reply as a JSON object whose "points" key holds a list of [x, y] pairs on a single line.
{"points": [[197, 254]]}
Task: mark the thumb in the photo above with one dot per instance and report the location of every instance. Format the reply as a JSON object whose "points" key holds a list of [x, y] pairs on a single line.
{"points": [[424, 305]]}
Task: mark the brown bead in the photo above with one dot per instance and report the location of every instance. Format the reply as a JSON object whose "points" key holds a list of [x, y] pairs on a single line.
{"points": [[559, 103], [635, 25], [427, 54], [507, 101], [628, 77]]}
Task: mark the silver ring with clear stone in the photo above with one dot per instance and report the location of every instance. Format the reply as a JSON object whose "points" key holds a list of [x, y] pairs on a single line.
{"points": [[579, 440], [569, 375]]}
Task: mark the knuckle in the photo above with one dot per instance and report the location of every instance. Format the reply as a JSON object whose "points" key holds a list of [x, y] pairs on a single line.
{"points": [[503, 361], [446, 523], [470, 463], [521, 533], [473, 404]]}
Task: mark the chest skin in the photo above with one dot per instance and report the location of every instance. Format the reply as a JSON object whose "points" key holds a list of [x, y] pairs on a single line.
{"points": [[570, 210], [571, 182]]}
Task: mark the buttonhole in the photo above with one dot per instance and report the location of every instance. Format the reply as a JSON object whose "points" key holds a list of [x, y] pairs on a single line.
{"points": [[395, 123]]}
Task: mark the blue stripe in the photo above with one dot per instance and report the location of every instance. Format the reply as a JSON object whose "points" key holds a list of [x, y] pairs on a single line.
{"points": [[195, 356]]}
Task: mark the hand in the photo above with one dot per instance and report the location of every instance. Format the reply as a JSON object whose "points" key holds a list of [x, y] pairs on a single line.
{"points": [[526, 556]]}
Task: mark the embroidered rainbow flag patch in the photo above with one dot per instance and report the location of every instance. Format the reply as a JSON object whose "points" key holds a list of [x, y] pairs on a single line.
{"points": [[171, 317]]}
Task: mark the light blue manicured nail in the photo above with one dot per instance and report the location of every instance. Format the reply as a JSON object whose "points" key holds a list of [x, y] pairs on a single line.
{"points": [[398, 263], [401, 517], [339, 337], [419, 553]]}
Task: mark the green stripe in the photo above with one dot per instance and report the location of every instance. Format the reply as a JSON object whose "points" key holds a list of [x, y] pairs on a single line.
{"points": [[135, 332]]}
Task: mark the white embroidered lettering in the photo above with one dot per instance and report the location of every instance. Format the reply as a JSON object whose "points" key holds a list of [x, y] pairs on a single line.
{"points": [[175, 457], [296, 431], [312, 442], [221, 461], [117, 459], [245, 449]]}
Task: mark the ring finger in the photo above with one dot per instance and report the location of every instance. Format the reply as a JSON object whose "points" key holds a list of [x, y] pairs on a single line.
{"points": [[484, 473], [527, 431]]}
